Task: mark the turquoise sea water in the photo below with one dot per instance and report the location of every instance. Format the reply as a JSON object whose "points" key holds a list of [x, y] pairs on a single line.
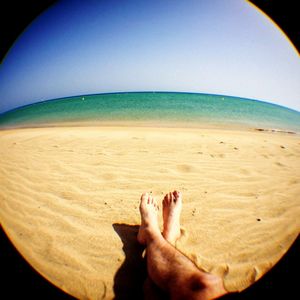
{"points": [[157, 108]]}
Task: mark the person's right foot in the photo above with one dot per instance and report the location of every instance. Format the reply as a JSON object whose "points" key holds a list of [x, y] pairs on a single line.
{"points": [[172, 205]]}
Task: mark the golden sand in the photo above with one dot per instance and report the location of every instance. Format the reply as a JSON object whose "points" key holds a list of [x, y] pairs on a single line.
{"points": [[69, 201]]}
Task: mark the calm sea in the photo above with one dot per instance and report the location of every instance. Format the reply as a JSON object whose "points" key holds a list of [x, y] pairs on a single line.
{"points": [[156, 108]]}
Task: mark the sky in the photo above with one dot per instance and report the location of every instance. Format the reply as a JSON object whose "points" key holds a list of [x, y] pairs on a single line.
{"points": [[88, 47]]}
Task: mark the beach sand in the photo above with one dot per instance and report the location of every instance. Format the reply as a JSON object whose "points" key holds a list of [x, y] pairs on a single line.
{"points": [[69, 201]]}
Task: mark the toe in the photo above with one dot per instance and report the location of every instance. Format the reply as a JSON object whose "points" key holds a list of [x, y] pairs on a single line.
{"points": [[166, 199], [144, 198], [172, 198], [177, 194]]}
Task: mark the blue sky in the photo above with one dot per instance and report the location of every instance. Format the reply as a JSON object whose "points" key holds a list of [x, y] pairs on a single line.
{"points": [[84, 47]]}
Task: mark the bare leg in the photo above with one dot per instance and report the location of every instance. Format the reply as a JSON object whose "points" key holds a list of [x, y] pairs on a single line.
{"points": [[168, 268], [172, 204]]}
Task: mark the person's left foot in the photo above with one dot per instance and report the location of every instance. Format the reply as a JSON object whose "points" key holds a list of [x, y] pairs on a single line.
{"points": [[149, 222], [172, 205]]}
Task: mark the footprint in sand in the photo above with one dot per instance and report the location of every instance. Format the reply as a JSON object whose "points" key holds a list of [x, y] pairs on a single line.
{"points": [[279, 164], [185, 168], [245, 172], [109, 176]]}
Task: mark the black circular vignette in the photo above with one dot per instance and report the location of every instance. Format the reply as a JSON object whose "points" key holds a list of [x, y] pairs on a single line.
{"points": [[18, 278]]}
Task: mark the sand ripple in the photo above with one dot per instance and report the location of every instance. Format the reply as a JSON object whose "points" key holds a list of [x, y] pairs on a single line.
{"points": [[69, 201]]}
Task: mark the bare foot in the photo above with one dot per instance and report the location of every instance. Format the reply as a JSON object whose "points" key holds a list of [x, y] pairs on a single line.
{"points": [[149, 224], [172, 205]]}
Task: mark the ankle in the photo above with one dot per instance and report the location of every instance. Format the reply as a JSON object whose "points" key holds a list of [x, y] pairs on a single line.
{"points": [[152, 233]]}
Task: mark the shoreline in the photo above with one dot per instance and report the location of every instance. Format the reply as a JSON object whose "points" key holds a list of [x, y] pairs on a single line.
{"points": [[165, 125]]}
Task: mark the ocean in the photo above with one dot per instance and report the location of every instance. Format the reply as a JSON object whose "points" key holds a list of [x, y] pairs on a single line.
{"points": [[156, 108]]}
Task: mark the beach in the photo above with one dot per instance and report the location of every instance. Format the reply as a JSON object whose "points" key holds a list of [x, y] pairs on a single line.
{"points": [[69, 200]]}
